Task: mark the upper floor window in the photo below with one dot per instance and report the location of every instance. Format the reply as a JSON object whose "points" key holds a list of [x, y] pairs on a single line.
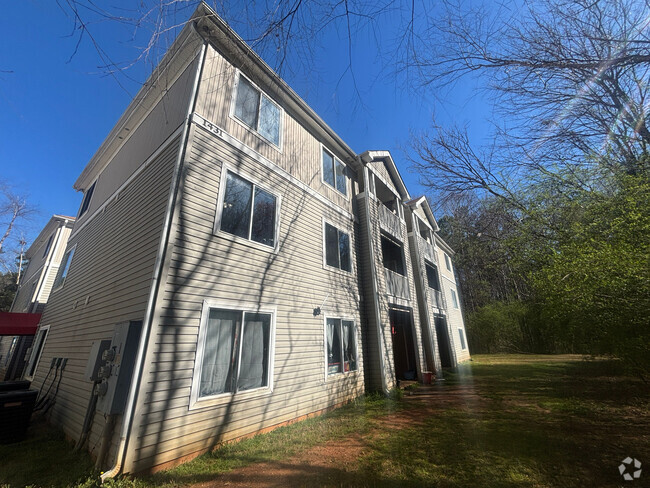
{"points": [[48, 245], [234, 352], [248, 211], [63, 269], [447, 262], [85, 203], [337, 248], [257, 111], [341, 346], [432, 276], [454, 298], [334, 172], [392, 256]]}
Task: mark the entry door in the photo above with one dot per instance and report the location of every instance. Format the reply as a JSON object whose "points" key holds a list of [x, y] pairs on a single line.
{"points": [[444, 347], [403, 345]]}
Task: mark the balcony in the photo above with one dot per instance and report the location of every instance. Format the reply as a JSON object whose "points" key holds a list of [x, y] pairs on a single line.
{"points": [[389, 222], [426, 250], [436, 298], [396, 284]]}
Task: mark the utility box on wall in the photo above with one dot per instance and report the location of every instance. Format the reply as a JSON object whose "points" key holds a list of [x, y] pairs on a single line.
{"points": [[117, 372]]}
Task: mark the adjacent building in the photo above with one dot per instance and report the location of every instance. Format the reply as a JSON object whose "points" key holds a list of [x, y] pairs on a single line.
{"points": [[44, 259], [240, 262]]}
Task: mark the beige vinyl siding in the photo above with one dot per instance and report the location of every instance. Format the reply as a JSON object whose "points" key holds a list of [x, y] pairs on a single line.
{"points": [[108, 282], [371, 349], [455, 321], [425, 308], [25, 294], [59, 251], [300, 154], [203, 266], [46, 286], [142, 141], [380, 169]]}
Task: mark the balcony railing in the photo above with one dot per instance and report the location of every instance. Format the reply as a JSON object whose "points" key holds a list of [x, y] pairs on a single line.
{"points": [[389, 222], [427, 250], [436, 298], [396, 284]]}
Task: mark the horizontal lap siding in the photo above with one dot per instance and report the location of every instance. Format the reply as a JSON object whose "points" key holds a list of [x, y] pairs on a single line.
{"points": [[300, 152], [111, 269], [207, 266]]}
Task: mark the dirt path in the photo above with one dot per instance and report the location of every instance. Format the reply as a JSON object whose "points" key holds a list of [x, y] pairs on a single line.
{"points": [[335, 462]]}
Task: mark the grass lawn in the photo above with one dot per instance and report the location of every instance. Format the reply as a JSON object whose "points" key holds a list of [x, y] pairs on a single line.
{"points": [[498, 421]]}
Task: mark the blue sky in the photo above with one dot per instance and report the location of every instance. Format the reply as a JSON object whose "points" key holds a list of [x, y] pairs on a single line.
{"points": [[57, 105]]}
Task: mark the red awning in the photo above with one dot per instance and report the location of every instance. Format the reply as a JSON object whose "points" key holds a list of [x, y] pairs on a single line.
{"points": [[12, 324]]}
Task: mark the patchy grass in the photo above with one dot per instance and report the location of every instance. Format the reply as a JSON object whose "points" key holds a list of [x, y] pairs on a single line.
{"points": [[537, 422], [499, 421]]}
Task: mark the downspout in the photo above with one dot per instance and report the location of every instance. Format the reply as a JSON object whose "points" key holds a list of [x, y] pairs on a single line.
{"points": [[158, 267], [373, 269]]}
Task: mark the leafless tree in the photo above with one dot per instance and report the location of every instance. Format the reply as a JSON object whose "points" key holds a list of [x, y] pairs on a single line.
{"points": [[569, 77], [14, 210]]}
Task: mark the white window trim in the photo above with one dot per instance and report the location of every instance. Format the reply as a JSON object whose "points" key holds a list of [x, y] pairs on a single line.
{"points": [[345, 195], [342, 374], [249, 242], [73, 250], [463, 339], [324, 247], [233, 100], [447, 261], [36, 360], [197, 402], [454, 298]]}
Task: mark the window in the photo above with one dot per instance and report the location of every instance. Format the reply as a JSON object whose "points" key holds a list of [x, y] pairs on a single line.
{"points": [[337, 248], [257, 111], [234, 352], [334, 172], [392, 255], [462, 339], [447, 262], [63, 269], [85, 203], [341, 346], [454, 298], [432, 276], [248, 211], [37, 350], [48, 245]]}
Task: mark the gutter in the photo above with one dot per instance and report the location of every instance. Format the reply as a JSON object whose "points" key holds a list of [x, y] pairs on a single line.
{"points": [[129, 411], [375, 292]]}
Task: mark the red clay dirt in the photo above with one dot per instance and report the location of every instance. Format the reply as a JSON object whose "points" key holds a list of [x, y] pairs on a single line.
{"points": [[327, 463]]}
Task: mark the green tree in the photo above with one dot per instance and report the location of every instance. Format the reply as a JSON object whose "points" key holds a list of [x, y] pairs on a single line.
{"points": [[596, 282]]}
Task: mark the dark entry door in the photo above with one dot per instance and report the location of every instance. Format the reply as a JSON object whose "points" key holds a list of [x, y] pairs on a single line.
{"points": [[403, 345], [444, 348]]}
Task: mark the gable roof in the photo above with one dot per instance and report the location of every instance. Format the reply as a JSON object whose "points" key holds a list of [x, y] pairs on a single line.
{"points": [[385, 156], [54, 222], [424, 204]]}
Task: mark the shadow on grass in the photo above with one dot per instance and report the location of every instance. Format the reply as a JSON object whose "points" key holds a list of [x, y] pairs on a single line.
{"points": [[44, 458]]}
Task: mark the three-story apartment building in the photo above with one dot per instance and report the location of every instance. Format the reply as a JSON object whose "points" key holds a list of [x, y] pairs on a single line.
{"points": [[235, 266]]}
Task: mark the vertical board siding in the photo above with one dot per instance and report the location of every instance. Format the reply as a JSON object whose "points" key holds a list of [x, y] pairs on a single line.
{"points": [[293, 280], [108, 282], [300, 151]]}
